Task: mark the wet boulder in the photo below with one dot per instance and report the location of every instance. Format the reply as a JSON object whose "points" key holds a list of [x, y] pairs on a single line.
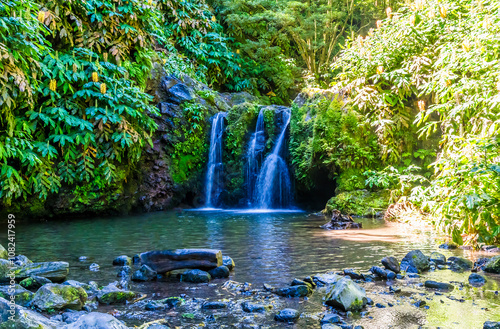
{"points": [[493, 265], [21, 260], [391, 263], [124, 271], [438, 285], [91, 288], [340, 221], [72, 316], [111, 294], [58, 296], [353, 274], [96, 320], [164, 304], [122, 260], [459, 264], [24, 318], [293, 291], [415, 262], [383, 273], [331, 318], [288, 315], [22, 296], [228, 262], [476, 280], [145, 273], [34, 282], [438, 258], [491, 325], [54, 271], [449, 246], [322, 280], [346, 295], [252, 307], [298, 282], [220, 272], [195, 276]]}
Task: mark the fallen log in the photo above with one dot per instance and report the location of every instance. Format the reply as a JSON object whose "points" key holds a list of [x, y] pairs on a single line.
{"points": [[169, 260]]}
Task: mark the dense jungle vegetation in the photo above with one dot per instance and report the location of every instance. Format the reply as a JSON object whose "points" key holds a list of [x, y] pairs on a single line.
{"points": [[415, 113]]}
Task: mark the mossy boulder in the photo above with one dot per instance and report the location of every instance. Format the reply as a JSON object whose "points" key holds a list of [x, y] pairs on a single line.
{"points": [[415, 262], [3, 252], [493, 265], [346, 295], [196, 276], [33, 283], [24, 318], [22, 296], [358, 203], [113, 295], [52, 297], [4, 270], [219, 272]]}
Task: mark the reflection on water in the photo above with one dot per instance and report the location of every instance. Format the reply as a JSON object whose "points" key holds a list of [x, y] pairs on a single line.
{"points": [[271, 247], [266, 247]]}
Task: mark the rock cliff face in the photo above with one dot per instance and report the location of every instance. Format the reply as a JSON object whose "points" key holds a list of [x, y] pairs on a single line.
{"points": [[149, 186]]}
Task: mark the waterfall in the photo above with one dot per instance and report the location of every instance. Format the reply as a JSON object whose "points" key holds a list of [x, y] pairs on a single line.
{"points": [[254, 155], [213, 181], [273, 187]]}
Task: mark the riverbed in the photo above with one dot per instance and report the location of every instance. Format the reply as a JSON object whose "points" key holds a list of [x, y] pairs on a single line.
{"points": [[272, 248]]}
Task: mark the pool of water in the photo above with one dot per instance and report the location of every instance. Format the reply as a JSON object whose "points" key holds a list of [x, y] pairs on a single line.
{"points": [[267, 247]]}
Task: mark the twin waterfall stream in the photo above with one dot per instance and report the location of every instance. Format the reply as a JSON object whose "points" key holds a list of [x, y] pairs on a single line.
{"points": [[267, 182]]}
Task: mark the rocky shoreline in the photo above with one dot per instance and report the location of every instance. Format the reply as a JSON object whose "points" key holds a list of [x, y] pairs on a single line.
{"points": [[44, 297]]}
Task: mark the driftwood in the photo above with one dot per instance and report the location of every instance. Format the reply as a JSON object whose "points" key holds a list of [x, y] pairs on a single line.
{"points": [[169, 260], [340, 221]]}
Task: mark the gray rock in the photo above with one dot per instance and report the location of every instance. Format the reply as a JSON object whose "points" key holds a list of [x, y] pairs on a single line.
{"points": [[145, 273], [94, 267], [415, 262], [493, 265], [346, 295], [438, 258], [331, 318], [195, 276], [22, 296], [164, 304], [213, 305], [111, 294], [391, 263], [124, 271], [491, 325], [449, 245], [253, 307], [24, 318], [219, 272], [298, 282], [71, 317], [58, 296], [476, 280], [54, 271], [353, 274], [287, 315], [34, 282], [293, 291], [383, 273], [459, 264], [228, 262], [322, 280], [91, 288], [122, 260], [96, 320], [21, 260], [4, 254], [4, 270], [439, 285]]}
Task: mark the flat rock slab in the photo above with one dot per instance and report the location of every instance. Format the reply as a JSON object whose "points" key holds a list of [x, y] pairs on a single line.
{"points": [[54, 271], [169, 260], [438, 285]]}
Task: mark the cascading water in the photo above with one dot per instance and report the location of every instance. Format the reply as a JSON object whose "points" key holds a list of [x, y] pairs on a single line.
{"points": [[213, 181], [273, 187], [254, 155]]}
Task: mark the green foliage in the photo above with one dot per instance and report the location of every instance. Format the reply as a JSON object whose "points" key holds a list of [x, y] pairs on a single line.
{"points": [[435, 67], [326, 135], [190, 148], [358, 202]]}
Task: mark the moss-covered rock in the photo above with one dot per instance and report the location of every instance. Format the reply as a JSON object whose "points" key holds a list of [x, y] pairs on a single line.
{"points": [[493, 265], [358, 203], [54, 271], [24, 318], [22, 296], [3, 253], [34, 282], [52, 297], [113, 295], [346, 295]]}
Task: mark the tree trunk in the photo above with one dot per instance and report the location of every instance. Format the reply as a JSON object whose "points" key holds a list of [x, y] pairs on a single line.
{"points": [[169, 260]]}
